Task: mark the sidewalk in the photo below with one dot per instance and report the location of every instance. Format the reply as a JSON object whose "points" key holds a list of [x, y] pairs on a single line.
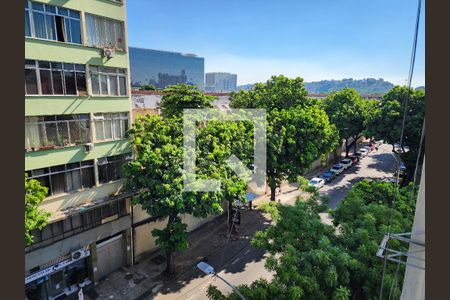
{"points": [[207, 243]]}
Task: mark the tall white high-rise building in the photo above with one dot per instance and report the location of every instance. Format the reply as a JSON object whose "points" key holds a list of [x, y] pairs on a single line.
{"points": [[220, 82]]}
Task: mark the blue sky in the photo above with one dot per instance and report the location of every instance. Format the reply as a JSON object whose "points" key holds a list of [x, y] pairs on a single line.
{"points": [[314, 39]]}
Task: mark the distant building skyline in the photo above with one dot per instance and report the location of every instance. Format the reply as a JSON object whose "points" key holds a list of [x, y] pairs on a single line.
{"points": [[315, 40], [162, 68], [220, 82]]}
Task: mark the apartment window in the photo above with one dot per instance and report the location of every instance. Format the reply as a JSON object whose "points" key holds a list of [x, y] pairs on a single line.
{"points": [[110, 126], [47, 132], [110, 168], [54, 78], [103, 32], [52, 23], [108, 81], [65, 178]]}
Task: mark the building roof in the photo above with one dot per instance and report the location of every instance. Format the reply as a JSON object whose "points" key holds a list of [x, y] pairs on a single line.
{"points": [[139, 92]]}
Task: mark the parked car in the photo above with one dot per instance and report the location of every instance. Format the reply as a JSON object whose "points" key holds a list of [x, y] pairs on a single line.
{"points": [[338, 169], [354, 158], [358, 155], [328, 176], [317, 182], [399, 150], [373, 146], [367, 147], [363, 152], [347, 163]]}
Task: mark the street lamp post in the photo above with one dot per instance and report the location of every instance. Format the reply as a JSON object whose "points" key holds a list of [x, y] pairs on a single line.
{"points": [[207, 269]]}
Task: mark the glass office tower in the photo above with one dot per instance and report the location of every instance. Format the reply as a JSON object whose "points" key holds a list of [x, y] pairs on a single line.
{"points": [[163, 68]]}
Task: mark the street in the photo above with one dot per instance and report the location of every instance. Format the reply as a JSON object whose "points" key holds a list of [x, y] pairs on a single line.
{"points": [[248, 264], [377, 164], [234, 259]]}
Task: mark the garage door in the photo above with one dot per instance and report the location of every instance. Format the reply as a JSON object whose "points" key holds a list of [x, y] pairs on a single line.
{"points": [[110, 255]]}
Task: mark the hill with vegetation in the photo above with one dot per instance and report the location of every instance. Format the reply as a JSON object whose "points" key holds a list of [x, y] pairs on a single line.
{"points": [[363, 86]]}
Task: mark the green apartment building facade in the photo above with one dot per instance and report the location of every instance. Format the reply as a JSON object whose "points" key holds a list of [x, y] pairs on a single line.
{"points": [[77, 111]]}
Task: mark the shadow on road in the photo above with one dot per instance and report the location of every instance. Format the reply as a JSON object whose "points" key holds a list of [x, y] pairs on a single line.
{"points": [[211, 244], [384, 162]]}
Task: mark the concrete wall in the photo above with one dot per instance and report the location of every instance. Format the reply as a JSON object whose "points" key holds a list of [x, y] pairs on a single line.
{"points": [[46, 158], [44, 255], [414, 282], [144, 242]]}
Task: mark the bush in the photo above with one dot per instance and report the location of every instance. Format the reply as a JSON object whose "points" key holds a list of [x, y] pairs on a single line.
{"points": [[310, 189], [303, 183], [271, 208]]}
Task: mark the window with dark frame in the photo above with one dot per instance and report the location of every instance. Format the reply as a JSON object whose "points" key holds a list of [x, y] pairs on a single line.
{"points": [[52, 23], [111, 168], [54, 78], [65, 178]]}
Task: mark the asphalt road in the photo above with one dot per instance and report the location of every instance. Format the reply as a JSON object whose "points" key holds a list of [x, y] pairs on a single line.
{"points": [[248, 264], [244, 267], [376, 165]]}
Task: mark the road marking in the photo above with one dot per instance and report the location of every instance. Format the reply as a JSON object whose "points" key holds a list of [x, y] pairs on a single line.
{"points": [[247, 251], [235, 261]]}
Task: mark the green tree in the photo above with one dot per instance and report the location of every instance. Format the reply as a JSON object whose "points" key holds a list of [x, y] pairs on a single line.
{"points": [[157, 173], [298, 130], [35, 218], [363, 219], [148, 87], [279, 92], [183, 96], [223, 139], [386, 120], [307, 261], [312, 260], [348, 111]]}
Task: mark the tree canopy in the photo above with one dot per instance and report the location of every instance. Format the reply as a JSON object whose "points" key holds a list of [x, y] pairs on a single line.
{"points": [[183, 96], [385, 122], [35, 218], [363, 218], [298, 130], [313, 260], [157, 172], [349, 112]]}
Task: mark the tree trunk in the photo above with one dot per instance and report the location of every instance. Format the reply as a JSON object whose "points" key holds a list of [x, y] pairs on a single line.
{"points": [[356, 143], [170, 260], [170, 264], [272, 182], [231, 228], [347, 149], [273, 189]]}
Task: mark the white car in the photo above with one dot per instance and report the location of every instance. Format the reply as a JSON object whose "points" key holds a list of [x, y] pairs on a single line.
{"points": [[399, 149], [338, 169], [317, 182], [347, 163], [363, 152], [368, 148]]}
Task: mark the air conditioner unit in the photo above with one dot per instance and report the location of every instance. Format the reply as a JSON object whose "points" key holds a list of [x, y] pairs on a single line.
{"points": [[76, 254], [88, 147], [108, 52]]}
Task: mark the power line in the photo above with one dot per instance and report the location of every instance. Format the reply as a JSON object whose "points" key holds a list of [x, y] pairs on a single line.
{"points": [[410, 75]]}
